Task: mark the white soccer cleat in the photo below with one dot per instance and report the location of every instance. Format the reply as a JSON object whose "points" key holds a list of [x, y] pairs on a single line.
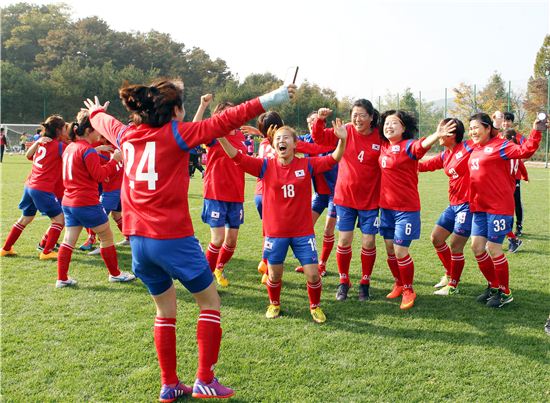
{"points": [[124, 242], [443, 282], [123, 277], [96, 251], [70, 282]]}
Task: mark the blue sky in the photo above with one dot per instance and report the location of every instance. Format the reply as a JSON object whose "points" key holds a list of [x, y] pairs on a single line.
{"points": [[358, 48]]}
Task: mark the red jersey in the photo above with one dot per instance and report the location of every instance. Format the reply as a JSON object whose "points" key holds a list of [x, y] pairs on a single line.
{"points": [[113, 182], [82, 171], [492, 180], [223, 180], [156, 166], [265, 150], [46, 167], [320, 183], [455, 164], [399, 183], [286, 210], [358, 183]]}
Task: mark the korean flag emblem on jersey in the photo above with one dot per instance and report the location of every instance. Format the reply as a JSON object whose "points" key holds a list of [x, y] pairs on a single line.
{"points": [[376, 147], [268, 244], [458, 155], [488, 150], [215, 214], [300, 173], [395, 148]]}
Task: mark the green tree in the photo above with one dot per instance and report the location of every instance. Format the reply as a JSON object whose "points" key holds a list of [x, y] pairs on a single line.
{"points": [[493, 96]]}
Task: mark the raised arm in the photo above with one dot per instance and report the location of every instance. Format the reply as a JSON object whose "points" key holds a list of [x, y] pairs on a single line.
{"points": [[442, 130], [319, 133], [205, 101], [342, 134], [431, 164], [32, 149], [101, 172], [251, 165]]}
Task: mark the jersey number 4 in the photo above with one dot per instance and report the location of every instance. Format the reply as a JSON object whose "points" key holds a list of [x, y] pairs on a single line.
{"points": [[147, 158]]}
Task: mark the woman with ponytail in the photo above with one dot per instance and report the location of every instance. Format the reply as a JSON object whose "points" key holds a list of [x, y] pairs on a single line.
{"points": [[40, 187], [82, 171], [156, 214]]}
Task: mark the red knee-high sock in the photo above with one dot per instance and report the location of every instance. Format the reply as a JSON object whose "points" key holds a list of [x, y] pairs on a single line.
{"points": [[13, 236], [91, 234], [394, 268], [52, 237], [314, 293], [109, 257], [44, 239], [63, 261], [212, 254], [274, 292], [368, 257], [119, 224], [457, 265], [406, 271], [165, 342], [444, 253], [225, 255], [328, 244], [343, 259], [209, 338], [511, 235], [502, 273], [487, 268]]}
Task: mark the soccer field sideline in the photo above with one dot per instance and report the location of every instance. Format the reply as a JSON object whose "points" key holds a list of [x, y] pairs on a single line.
{"points": [[73, 346]]}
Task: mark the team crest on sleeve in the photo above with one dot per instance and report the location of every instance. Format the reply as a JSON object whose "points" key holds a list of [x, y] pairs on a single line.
{"points": [[300, 173], [396, 148], [488, 150], [376, 147]]}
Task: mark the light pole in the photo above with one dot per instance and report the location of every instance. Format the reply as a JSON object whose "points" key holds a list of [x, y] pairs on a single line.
{"points": [[547, 73]]}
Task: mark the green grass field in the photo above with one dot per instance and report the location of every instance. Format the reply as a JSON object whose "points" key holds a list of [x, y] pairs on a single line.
{"points": [[95, 342]]}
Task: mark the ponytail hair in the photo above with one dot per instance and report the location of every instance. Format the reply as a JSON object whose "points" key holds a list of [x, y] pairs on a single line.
{"points": [[50, 127], [485, 121], [152, 105], [222, 106], [79, 126], [367, 105]]}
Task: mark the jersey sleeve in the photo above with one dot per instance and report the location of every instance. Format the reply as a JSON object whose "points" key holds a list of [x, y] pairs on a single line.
{"points": [[414, 149], [432, 164], [97, 171], [321, 164], [321, 135], [312, 148], [251, 165], [509, 150], [191, 134], [108, 126]]}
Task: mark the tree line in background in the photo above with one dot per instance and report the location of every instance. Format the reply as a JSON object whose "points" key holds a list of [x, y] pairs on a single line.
{"points": [[51, 63]]}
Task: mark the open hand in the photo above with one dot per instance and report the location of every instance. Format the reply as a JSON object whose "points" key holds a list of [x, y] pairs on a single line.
{"points": [[94, 105], [339, 129]]}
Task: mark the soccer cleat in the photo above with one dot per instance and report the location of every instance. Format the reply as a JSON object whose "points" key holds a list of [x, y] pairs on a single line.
{"points": [[519, 230], [48, 256], [447, 290], [126, 242], [41, 247], [407, 302], [171, 394], [364, 294], [342, 292], [96, 251], [220, 278], [87, 246], [395, 292], [123, 277], [318, 315], [499, 299], [70, 282], [514, 245], [488, 293], [273, 311], [299, 269], [264, 279], [213, 390], [442, 282], [262, 267], [322, 270], [10, 252]]}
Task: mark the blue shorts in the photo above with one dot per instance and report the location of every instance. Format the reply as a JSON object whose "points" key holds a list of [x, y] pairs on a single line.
{"points": [[401, 226], [87, 216], [457, 219], [157, 261], [304, 248], [220, 213], [111, 201], [367, 220], [36, 200], [258, 202], [321, 202], [494, 227]]}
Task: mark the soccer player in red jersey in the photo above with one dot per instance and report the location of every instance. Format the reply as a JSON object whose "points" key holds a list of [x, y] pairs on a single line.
{"points": [[156, 214], [223, 202], [399, 199], [286, 214], [82, 171], [357, 191], [456, 220], [492, 187], [40, 187]]}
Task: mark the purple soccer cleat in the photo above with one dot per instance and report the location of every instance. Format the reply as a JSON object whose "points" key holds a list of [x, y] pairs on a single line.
{"points": [[170, 394], [213, 390]]}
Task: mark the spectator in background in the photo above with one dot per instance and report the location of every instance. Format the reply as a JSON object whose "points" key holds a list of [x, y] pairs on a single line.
{"points": [[3, 143], [22, 140], [249, 143], [498, 120], [195, 161], [37, 134]]}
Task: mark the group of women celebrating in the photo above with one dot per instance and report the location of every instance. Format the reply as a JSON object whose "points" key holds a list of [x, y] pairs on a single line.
{"points": [[376, 189]]}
